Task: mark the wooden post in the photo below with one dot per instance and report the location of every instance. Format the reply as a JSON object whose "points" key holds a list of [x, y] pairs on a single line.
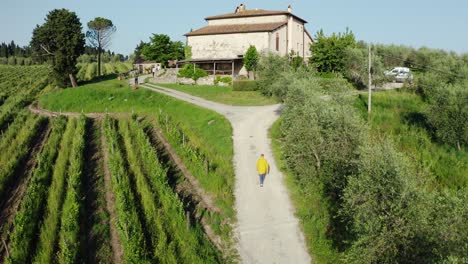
{"points": [[370, 82], [167, 128], [232, 73], [73, 80], [6, 248]]}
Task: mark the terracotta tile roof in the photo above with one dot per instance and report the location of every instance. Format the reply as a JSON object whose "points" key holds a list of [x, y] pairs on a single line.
{"points": [[252, 13], [229, 29]]}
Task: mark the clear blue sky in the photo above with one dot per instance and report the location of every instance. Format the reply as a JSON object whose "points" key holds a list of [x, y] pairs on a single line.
{"points": [[435, 24]]}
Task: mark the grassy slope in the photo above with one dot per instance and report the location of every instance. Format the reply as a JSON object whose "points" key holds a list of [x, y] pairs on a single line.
{"points": [[116, 96], [224, 94], [400, 115], [211, 129]]}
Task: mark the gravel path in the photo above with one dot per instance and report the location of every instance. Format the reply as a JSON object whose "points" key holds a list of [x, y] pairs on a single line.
{"points": [[267, 230]]}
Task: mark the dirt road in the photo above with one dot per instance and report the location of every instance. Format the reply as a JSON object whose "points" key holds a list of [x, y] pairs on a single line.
{"points": [[267, 230]]}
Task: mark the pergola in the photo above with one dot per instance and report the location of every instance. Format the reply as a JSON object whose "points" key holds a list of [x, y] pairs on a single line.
{"points": [[221, 66]]}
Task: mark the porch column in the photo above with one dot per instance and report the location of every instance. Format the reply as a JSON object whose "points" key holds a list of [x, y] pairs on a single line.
{"points": [[214, 68], [232, 73]]}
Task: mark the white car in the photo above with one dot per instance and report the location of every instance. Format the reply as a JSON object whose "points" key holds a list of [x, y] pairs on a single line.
{"points": [[400, 74]]}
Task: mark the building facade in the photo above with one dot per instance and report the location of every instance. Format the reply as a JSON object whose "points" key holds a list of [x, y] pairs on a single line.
{"points": [[219, 47]]}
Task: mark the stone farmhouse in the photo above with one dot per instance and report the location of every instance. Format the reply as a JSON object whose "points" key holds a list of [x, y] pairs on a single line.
{"points": [[220, 46]]}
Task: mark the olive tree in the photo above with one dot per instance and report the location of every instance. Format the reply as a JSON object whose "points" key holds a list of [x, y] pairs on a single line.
{"points": [[448, 114]]}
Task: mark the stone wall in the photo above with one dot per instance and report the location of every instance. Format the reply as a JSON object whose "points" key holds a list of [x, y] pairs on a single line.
{"points": [[165, 76], [170, 76]]}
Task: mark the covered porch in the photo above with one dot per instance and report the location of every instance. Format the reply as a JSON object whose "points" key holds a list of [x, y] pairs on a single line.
{"points": [[223, 66]]}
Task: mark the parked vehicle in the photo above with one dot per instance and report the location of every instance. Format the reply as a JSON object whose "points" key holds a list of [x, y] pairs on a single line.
{"points": [[400, 74]]}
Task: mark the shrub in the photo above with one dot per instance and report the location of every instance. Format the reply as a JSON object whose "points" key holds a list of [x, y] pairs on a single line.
{"points": [[329, 53], [296, 60], [448, 115], [371, 205], [382, 202], [394, 219], [188, 52], [12, 61], [251, 58], [245, 85], [225, 79], [356, 68], [192, 72], [268, 67]]}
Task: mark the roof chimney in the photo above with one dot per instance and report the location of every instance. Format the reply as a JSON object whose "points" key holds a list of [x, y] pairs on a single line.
{"points": [[289, 9], [242, 8]]}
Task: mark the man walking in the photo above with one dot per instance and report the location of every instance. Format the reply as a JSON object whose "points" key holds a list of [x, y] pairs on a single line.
{"points": [[263, 168], [136, 77]]}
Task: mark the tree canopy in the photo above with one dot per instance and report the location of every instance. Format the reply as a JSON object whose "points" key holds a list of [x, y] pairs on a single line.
{"points": [[13, 49], [99, 35], [161, 49], [60, 39], [329, 53], [251, 58]]}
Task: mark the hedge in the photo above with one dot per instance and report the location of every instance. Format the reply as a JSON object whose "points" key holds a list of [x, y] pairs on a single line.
{"points": [[245, 85]]}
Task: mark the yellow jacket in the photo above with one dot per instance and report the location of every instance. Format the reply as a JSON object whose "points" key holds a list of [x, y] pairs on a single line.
{"points": [[262, 166]]}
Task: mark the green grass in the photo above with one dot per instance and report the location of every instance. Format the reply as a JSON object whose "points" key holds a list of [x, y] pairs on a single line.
{"points": [[310, 206], [117, 97], [224, 94], [400, 115], [207, 133]]}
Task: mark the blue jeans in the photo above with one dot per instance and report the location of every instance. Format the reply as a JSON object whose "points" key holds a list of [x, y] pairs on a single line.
{"points": [[262, 178]]}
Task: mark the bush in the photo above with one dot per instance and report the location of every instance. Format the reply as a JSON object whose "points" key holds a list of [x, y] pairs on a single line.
{"points": [[395, 220], [297, 61], [268, 67], [11, 61], [225, 79], [321, 138], [382, 201], [188, 71], [329, 53], [245, 85], [448, 114], [356, 68], [251, 58], [373, 208]]}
